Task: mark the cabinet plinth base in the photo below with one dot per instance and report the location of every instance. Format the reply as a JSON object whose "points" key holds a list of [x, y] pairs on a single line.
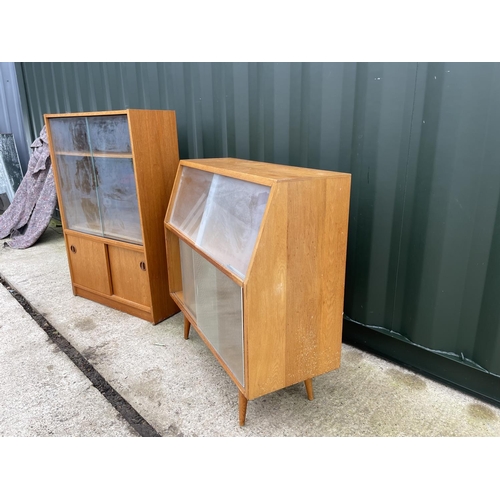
{"points": [[187, 325], [128, 307]]}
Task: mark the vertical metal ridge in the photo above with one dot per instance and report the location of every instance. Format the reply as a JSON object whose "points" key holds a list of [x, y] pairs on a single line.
{"points": [[407, 163]]}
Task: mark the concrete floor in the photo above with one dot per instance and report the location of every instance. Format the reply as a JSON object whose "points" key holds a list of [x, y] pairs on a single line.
{"points": [[177, 386]]}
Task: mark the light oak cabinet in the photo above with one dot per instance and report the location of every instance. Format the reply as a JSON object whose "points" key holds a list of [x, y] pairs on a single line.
{"points": [[114, 173], [256, 255]]}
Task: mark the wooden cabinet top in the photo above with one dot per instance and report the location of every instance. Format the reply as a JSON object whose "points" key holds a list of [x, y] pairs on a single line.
{"points": [[105, 113], [259, 172]]}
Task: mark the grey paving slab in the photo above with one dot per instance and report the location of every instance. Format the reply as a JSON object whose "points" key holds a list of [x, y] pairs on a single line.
{"points": [[42, 392], [181, 390]]}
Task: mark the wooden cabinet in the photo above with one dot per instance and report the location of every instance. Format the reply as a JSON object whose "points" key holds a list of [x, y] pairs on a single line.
{"points": [[114, 173], [256, 255]]}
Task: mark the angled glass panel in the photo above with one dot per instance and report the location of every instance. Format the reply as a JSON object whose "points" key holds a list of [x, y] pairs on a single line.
{"points": [[116, 190], [231, 222], [190, 201]]}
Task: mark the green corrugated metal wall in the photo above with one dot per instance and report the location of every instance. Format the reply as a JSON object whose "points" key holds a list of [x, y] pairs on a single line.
{"points": [[421, 142]]}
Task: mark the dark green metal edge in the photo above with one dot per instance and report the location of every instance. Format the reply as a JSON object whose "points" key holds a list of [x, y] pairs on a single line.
{"points": [[456, 375]]}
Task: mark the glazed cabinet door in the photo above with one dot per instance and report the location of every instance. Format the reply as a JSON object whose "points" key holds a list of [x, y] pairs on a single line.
{"points": [[220, 215], [215, 302], [89, 264], [93, 157], [129, 275], [75, 169], [117, 196]]}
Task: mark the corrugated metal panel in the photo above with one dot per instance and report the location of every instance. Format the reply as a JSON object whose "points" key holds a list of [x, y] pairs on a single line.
{"points": [[419, 139], [11, 116], [284, 112], [449, 293], [423, 258]]}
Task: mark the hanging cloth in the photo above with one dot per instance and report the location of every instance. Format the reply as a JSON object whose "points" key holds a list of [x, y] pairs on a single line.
{"points": [[30, 212]]}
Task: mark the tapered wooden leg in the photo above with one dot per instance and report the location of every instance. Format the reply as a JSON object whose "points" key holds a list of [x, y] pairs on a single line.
{"points": [[243, 408], [187, 325], [309, 388]]}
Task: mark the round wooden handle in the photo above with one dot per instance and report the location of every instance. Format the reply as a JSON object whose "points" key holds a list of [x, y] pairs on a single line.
{"points": [[143, 266], [72, 248]]}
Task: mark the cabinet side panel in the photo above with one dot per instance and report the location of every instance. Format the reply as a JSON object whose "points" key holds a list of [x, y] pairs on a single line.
{"points": [[265, 307], [156, 156], [333, 254], [317, 236], [306, 211]]}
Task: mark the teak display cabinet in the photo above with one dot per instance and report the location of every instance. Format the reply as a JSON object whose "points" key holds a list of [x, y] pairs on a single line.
{"points": [[256, 255], [114, 172]]}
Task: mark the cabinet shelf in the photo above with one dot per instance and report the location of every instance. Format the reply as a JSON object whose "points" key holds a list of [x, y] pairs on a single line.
{"points": [[117, 239], [93, 154], [112, 171], [256, 256]]}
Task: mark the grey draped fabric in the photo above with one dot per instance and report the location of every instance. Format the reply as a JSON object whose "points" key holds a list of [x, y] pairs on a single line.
{"points": [[30, 212]]}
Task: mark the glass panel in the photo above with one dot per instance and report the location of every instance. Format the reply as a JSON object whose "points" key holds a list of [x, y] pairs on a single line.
{"points": [[69, 135], [230, 324], [118, 198], [231, 221], [187, 271], [219, 313], [79, 198], [190, 201], [206, 298], [109, 134]]}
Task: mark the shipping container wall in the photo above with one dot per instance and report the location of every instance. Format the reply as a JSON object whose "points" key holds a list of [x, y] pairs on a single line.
{"points": [[421, 143], [423, 250]]}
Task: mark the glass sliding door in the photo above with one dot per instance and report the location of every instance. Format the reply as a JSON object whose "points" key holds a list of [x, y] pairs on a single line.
{"points": [[118, 199], [96, 170], [215, 302]]}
